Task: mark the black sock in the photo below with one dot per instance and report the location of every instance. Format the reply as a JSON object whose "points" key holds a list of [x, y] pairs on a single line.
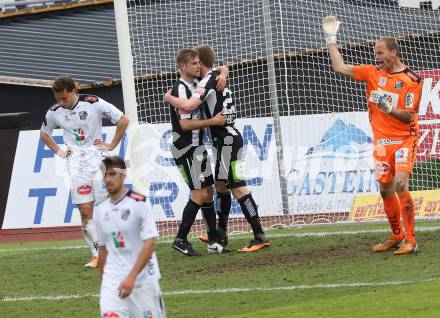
{"points": [[250, 211], [208, 213], [188, 216], [223, 206]]}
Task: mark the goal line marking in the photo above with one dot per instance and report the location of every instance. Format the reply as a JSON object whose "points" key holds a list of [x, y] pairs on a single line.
{"points": [[230, 290]]}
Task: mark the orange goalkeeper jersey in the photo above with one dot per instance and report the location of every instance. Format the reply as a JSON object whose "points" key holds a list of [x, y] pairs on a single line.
{"points": [[403, 89]]}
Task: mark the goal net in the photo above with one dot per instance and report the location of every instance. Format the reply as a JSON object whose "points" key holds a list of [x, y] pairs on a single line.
{"points": [[308, 143]]}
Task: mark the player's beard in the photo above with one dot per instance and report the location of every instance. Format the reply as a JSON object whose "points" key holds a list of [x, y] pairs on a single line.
{"points": [[114, 189]]}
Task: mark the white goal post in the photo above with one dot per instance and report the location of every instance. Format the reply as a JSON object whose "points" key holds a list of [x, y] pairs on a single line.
{"points": [[308, 143]]}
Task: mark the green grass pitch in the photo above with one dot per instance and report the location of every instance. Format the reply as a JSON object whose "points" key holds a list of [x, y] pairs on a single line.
{"points": [[333, 275]]}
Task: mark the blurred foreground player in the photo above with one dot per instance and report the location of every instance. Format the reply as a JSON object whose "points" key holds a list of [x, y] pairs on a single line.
{"points": [[127, 259]]}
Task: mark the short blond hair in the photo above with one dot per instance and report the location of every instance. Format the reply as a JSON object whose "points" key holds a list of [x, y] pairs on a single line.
{"points": [[391, 43], [185, 55]]}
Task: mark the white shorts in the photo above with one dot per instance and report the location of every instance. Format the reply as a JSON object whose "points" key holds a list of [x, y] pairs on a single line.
{"points": [[143, 302], [84, 189], [86, 180]]}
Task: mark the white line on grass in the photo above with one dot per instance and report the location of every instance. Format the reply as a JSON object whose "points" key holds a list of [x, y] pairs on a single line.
{"points": [[231, 290], [297, 235]]}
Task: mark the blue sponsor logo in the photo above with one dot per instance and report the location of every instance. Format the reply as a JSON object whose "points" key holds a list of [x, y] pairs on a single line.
{"points": [[343, 141]]}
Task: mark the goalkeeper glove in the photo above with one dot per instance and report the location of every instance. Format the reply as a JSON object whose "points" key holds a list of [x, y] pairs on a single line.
{"points": [[330, 25], [381, 99]]}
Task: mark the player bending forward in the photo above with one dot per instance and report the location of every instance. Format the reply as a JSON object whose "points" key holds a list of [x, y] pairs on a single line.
{"points": [[228, 143], [393, 93], [128, 263], [80, 117]]}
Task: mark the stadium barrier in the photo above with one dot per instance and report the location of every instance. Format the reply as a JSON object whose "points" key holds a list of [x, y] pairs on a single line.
{"points": [[10, 126]]}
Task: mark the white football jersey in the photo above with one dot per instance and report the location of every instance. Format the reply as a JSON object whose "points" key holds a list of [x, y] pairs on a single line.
{"points": [[122, 228], [82, 124]]}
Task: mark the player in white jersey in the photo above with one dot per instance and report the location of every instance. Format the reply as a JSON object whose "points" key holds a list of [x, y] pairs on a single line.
{"points": [[128, 263], [80, 117]]}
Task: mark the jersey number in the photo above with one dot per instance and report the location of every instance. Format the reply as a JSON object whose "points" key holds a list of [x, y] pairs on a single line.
{"points": [[228, 108]]}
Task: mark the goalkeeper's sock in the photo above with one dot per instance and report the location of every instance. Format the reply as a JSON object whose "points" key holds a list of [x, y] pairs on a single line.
{"points": [[392, 210], [208, 214], [188, 217], [90, 235], [223, 206], [250, 211], [407, 210]]}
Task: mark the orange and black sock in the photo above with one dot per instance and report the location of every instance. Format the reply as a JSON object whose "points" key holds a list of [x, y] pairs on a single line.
{"points": [[407, 210], [392, 209]]}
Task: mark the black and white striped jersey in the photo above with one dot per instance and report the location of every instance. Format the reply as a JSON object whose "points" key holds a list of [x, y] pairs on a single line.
{"points": [[215, 102], [181, 138]]}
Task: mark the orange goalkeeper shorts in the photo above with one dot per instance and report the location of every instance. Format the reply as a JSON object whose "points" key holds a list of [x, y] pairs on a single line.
{"points": [[391, 155]]}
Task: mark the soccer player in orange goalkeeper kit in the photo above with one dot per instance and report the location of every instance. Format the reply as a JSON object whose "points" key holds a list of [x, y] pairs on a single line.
{"points": [[393, 92]]}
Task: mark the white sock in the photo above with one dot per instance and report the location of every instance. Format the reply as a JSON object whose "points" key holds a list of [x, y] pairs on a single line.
{"points": [[90, 235]]}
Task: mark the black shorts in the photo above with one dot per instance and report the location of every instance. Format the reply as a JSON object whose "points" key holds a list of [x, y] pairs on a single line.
{"points": [[229, 166], [194, 167]]}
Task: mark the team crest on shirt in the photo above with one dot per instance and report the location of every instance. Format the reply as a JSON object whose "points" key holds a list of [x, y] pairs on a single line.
{"points": [[398, 85], [83, 115], [107, 115], [382, 81], [125, 213]]}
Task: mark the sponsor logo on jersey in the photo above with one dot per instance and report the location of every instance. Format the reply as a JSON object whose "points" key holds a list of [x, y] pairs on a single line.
{"points": [[80, 136], [118, 239], [83, 115], [381, 142], [84, 189], [409, 100], [381, 168], [382, 81], [398, 85], [401, 155], [125, 213], [111, 314], [148, 314]]}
